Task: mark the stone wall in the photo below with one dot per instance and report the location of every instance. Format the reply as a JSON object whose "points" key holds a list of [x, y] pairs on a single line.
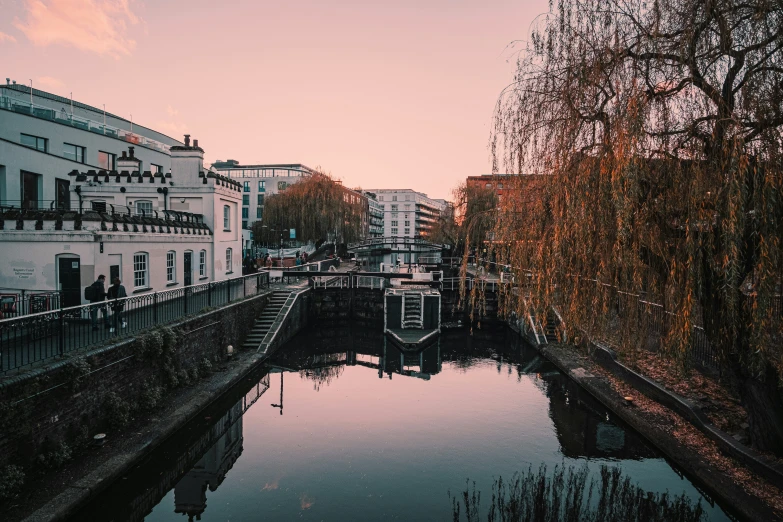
{"points": [[340, 305], [47, 412]]}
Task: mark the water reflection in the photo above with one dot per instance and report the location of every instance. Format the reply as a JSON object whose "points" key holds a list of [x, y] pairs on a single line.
{"points": [[367, 424]]}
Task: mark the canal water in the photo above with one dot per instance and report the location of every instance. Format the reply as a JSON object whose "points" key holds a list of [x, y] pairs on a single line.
{"points": [[343, 426]]}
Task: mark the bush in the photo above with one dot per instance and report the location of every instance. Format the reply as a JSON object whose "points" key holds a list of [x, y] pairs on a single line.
{"points": [[11, 481], [150, 396], [117, 411], [205, 367], [184, 377], [55, 458]]}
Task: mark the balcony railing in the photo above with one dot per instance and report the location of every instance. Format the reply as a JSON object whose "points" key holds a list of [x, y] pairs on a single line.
{"points": [[65, 118]]}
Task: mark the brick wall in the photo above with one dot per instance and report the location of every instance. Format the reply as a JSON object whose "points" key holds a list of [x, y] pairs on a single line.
{"points": [[67, 401]]}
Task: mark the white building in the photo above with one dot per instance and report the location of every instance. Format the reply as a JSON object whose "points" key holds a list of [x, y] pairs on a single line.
{"points": [[153, 230], [45, 136], [407, 213], [259, 182]]}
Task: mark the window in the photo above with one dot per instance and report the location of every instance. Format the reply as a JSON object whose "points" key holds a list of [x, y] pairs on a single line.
{"points": [[171, 264], [244, 225], [394, 198], [394, 231], [202, 263], [106, 160], [394, 223], [259, 212], [244, 212], [156, 169], [35, 142], [500, 185], [245, 199], [394, 214], [407, 207], [407, 231], [228, 261], [260, 199], [73, 152], [226, 217], [407, 223], [140, 275], [488, 185], [281, 185], [380, 198], [247, 186], [394, 208], [98, 205], [262, 186], [143, 208]]}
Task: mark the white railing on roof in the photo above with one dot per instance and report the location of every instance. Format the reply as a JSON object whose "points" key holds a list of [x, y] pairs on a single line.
{"points": [[66, 118]]}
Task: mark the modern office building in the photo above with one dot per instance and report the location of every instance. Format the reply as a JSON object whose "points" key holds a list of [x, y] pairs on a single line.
{"points": [[43, 137], [259, 182], [408, 213]]}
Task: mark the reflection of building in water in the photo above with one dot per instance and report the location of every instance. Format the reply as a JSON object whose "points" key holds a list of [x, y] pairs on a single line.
{"points": [[190, 493], [583, 427], [421, 364]]}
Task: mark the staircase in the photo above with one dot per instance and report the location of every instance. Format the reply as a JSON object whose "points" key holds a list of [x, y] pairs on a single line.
{"points": [[266, 319], [552, 324], [412, 315]]}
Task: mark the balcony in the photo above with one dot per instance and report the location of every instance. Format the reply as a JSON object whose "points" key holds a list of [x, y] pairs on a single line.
{"points": [[64, 118]]}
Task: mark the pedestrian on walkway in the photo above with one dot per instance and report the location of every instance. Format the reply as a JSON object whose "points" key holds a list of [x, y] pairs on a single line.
{"points": [[298, 259], [116, 292], [96, 293]]}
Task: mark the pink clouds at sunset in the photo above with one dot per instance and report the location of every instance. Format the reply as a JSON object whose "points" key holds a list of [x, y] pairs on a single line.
{"points": [[381, 94], [98, 26], [6, 38]]}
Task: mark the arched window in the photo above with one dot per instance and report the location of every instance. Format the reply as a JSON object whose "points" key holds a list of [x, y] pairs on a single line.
{"points": [[202, 263], [171, 266], [141, 276], [229, 267]]}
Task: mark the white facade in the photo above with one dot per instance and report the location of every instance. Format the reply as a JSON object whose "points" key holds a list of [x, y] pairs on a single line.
{"points": [[43, 139], [407, 213], [187, 231]]}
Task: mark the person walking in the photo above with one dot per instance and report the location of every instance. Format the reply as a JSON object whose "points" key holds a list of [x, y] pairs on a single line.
{"points": [[117, 291], [96, 293]]}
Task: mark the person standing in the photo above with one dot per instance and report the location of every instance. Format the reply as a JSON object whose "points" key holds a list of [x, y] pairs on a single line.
{"points": [[116, 292], [98, 295]]}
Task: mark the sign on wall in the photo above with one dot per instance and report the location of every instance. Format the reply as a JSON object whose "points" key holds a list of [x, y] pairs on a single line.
{"points": [[293, 233]]}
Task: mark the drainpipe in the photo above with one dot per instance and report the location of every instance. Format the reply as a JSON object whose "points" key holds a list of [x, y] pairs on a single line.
{"points": [[78, 190]]}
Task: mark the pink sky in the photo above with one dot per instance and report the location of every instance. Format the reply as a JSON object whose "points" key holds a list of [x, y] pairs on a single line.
{"points": [[395, 94]]}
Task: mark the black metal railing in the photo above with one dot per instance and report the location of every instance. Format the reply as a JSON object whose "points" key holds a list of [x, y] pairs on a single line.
{"points": [[16, 302], [39, 336]]}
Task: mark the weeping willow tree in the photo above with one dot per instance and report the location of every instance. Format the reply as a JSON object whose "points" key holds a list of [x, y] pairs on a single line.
{"points": [[318, 207], [655, 129]]}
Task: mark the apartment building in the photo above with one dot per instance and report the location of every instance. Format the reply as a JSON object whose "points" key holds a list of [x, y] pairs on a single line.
{"points": [[407, 213]]}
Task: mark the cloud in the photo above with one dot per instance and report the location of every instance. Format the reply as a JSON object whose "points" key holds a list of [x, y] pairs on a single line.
{"points": [[171, 110], [6, 38], [98, 26], [171, 128], [47, 82]]}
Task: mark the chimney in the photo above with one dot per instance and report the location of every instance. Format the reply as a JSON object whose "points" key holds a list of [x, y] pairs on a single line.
{"points": [[130, 151], [187, 140], [8, 81], [128, 162], [195, 144]]}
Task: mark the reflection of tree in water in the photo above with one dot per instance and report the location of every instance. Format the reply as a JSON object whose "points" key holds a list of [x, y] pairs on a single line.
{"points": [[568, 495], [328, 368]]}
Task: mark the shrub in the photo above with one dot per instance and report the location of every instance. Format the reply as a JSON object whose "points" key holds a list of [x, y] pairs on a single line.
{"points": [[117, 411], [150, 396], [205, 367], [11, 481]]}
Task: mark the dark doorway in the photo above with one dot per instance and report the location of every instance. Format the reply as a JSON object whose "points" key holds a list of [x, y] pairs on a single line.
{"points": [[63, 193], [188, 268], [70, 281], [114, 272], [29, 190]]}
